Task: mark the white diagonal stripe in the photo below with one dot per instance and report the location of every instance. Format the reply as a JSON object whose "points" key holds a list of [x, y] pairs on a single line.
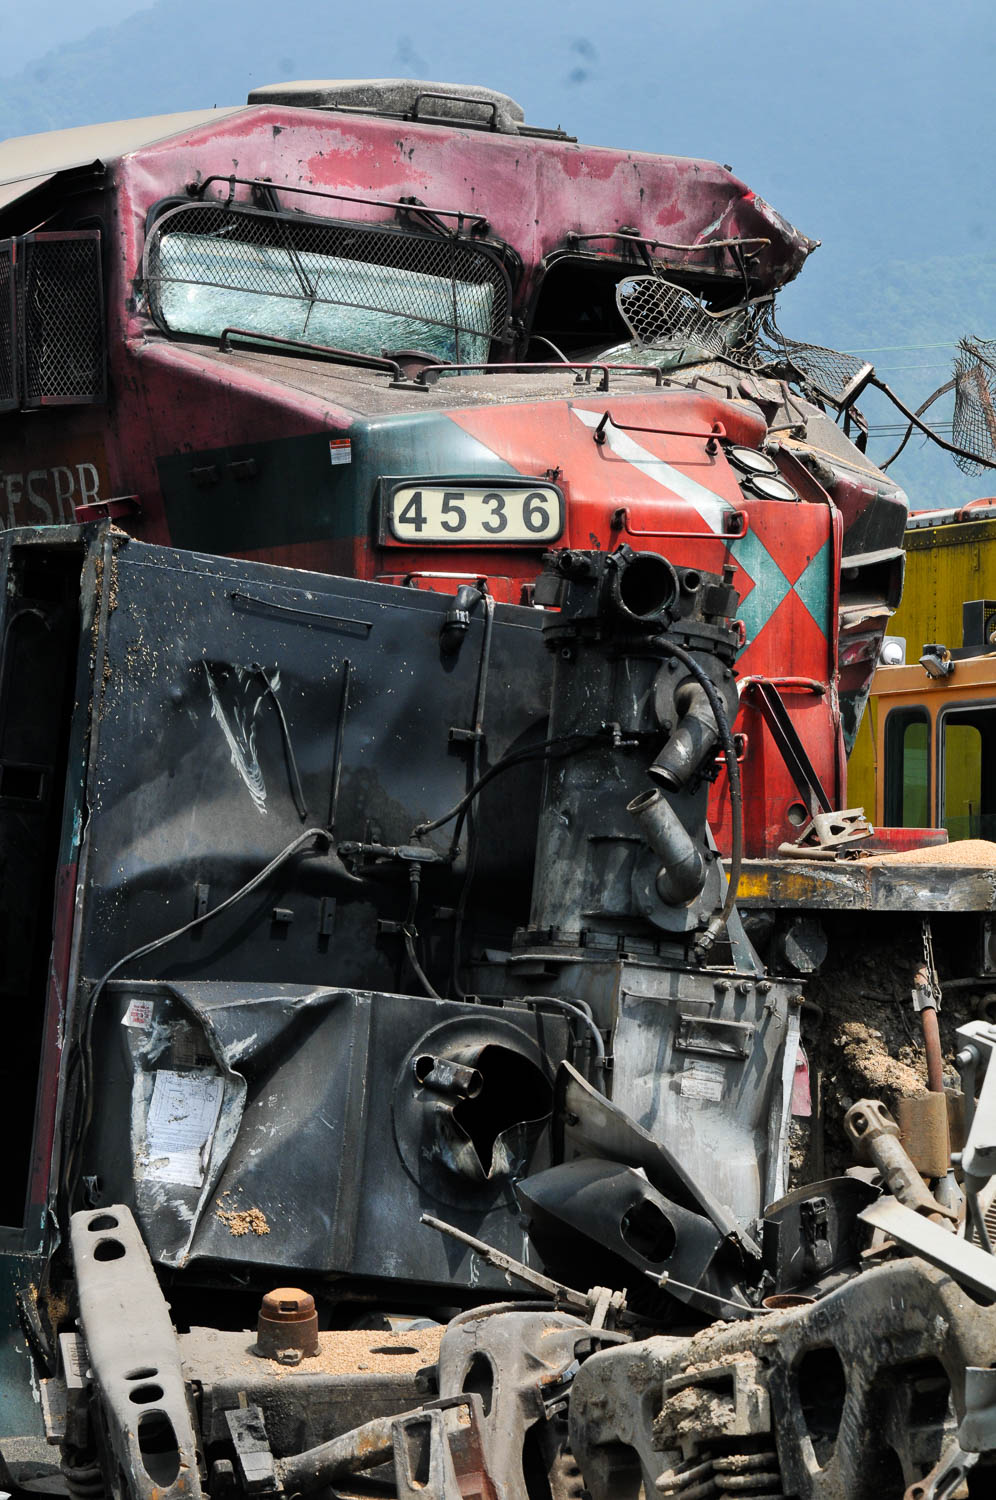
{"points": [[710, 506]]}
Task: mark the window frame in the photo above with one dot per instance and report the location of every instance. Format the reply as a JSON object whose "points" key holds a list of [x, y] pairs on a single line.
{"points": [[501, 333], [962, 707], [893, 798]]}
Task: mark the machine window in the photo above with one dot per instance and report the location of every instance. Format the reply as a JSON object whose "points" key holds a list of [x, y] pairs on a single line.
{"points": [[967, 773], [907, 768], [356, 287]]}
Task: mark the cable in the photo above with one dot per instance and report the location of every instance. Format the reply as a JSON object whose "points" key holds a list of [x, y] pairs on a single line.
{"points": [[410, 931], [919, 412], [473, 843], [664, 1281], [546, 750], [897, 348], [489, 1309], [576, 1008], [85, 1055], [914, 420]]}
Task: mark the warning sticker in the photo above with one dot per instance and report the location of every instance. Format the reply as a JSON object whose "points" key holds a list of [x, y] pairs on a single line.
{"points": [[139, 1013], [340, 451], [182, 1117], [703, 1080]]}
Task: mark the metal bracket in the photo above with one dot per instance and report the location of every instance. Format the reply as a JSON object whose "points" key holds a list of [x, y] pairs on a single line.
{"points": [[814, 1220], [138, 1383], [826, 832], [253, 1458], [790, 746]]}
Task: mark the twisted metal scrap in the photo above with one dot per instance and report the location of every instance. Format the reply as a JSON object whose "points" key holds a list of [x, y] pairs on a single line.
{"points": [[662, 315], [974, 425]]}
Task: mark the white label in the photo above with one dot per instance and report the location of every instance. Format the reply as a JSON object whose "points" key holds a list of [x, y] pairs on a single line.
{"points": [[703, 1080], [340, 451], [139, 1013], [182, 1117], [484, 513]]}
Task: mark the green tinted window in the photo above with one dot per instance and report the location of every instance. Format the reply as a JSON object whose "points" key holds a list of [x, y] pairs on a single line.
{"points": [[907, 768], [967, 773]]}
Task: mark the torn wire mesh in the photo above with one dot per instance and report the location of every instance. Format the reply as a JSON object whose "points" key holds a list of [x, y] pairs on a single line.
{"points": [[974, 425], [827, 373], [661, 315], [351, 286]]}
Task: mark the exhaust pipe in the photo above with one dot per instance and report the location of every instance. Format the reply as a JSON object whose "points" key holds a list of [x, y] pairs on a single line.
{"points": [[683, 870], [695, 737]]}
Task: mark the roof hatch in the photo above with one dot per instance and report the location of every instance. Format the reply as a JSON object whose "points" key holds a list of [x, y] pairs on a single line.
{"points": [[466, 105]]}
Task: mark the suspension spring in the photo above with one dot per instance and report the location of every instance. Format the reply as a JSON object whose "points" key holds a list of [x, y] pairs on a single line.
{"points": [[84, 1481], [755, 1476]]}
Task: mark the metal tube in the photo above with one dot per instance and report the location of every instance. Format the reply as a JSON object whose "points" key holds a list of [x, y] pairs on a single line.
{"points": [[932, 1047], [683, 870], [695, 736], [360, 1449]]}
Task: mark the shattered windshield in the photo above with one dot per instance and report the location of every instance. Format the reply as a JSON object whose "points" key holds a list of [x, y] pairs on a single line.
{"points": [[349, 286]]}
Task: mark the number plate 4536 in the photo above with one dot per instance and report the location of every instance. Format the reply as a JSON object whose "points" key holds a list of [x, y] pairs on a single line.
{"points": [[531, 513]]}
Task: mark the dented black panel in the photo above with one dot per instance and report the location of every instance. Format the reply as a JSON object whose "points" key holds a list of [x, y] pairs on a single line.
{"points": [[220, 735]]}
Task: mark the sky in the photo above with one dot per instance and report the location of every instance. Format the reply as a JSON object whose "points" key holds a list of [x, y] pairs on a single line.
{"points": [[867, 124]]}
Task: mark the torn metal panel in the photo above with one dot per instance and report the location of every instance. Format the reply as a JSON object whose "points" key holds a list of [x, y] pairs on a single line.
{"points": [[968, 1264], [597, 1218], [302, 1125]]}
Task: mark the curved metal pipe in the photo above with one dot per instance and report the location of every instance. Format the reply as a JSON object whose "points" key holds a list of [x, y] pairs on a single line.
{"points": [[695, 737], [362, 1448], [683, 870]]}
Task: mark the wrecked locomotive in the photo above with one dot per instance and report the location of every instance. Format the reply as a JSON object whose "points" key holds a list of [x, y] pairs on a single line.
{"points": [[454, 597]]}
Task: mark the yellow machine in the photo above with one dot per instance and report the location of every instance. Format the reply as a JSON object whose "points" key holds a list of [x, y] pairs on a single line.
{"points": [[925, 756]]}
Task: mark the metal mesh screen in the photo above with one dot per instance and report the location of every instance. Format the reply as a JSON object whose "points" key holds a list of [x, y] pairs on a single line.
{"points": [[974, 425], [8, 328], [61, 315], [827, 372], [351, 286], [666, 316], [663, 316]]}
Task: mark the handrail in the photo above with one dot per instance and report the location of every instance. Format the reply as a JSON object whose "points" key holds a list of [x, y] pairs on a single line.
{"points": [[328, 351], [475, 220], [717, 430], [518, 366], [801, 684], [642, 239], [620, 522]]}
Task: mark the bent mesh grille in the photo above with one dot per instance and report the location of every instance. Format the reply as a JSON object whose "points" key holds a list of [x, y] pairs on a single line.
{"points": [[662, 315], [974, 425], [665, 316], [209, 267]]}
